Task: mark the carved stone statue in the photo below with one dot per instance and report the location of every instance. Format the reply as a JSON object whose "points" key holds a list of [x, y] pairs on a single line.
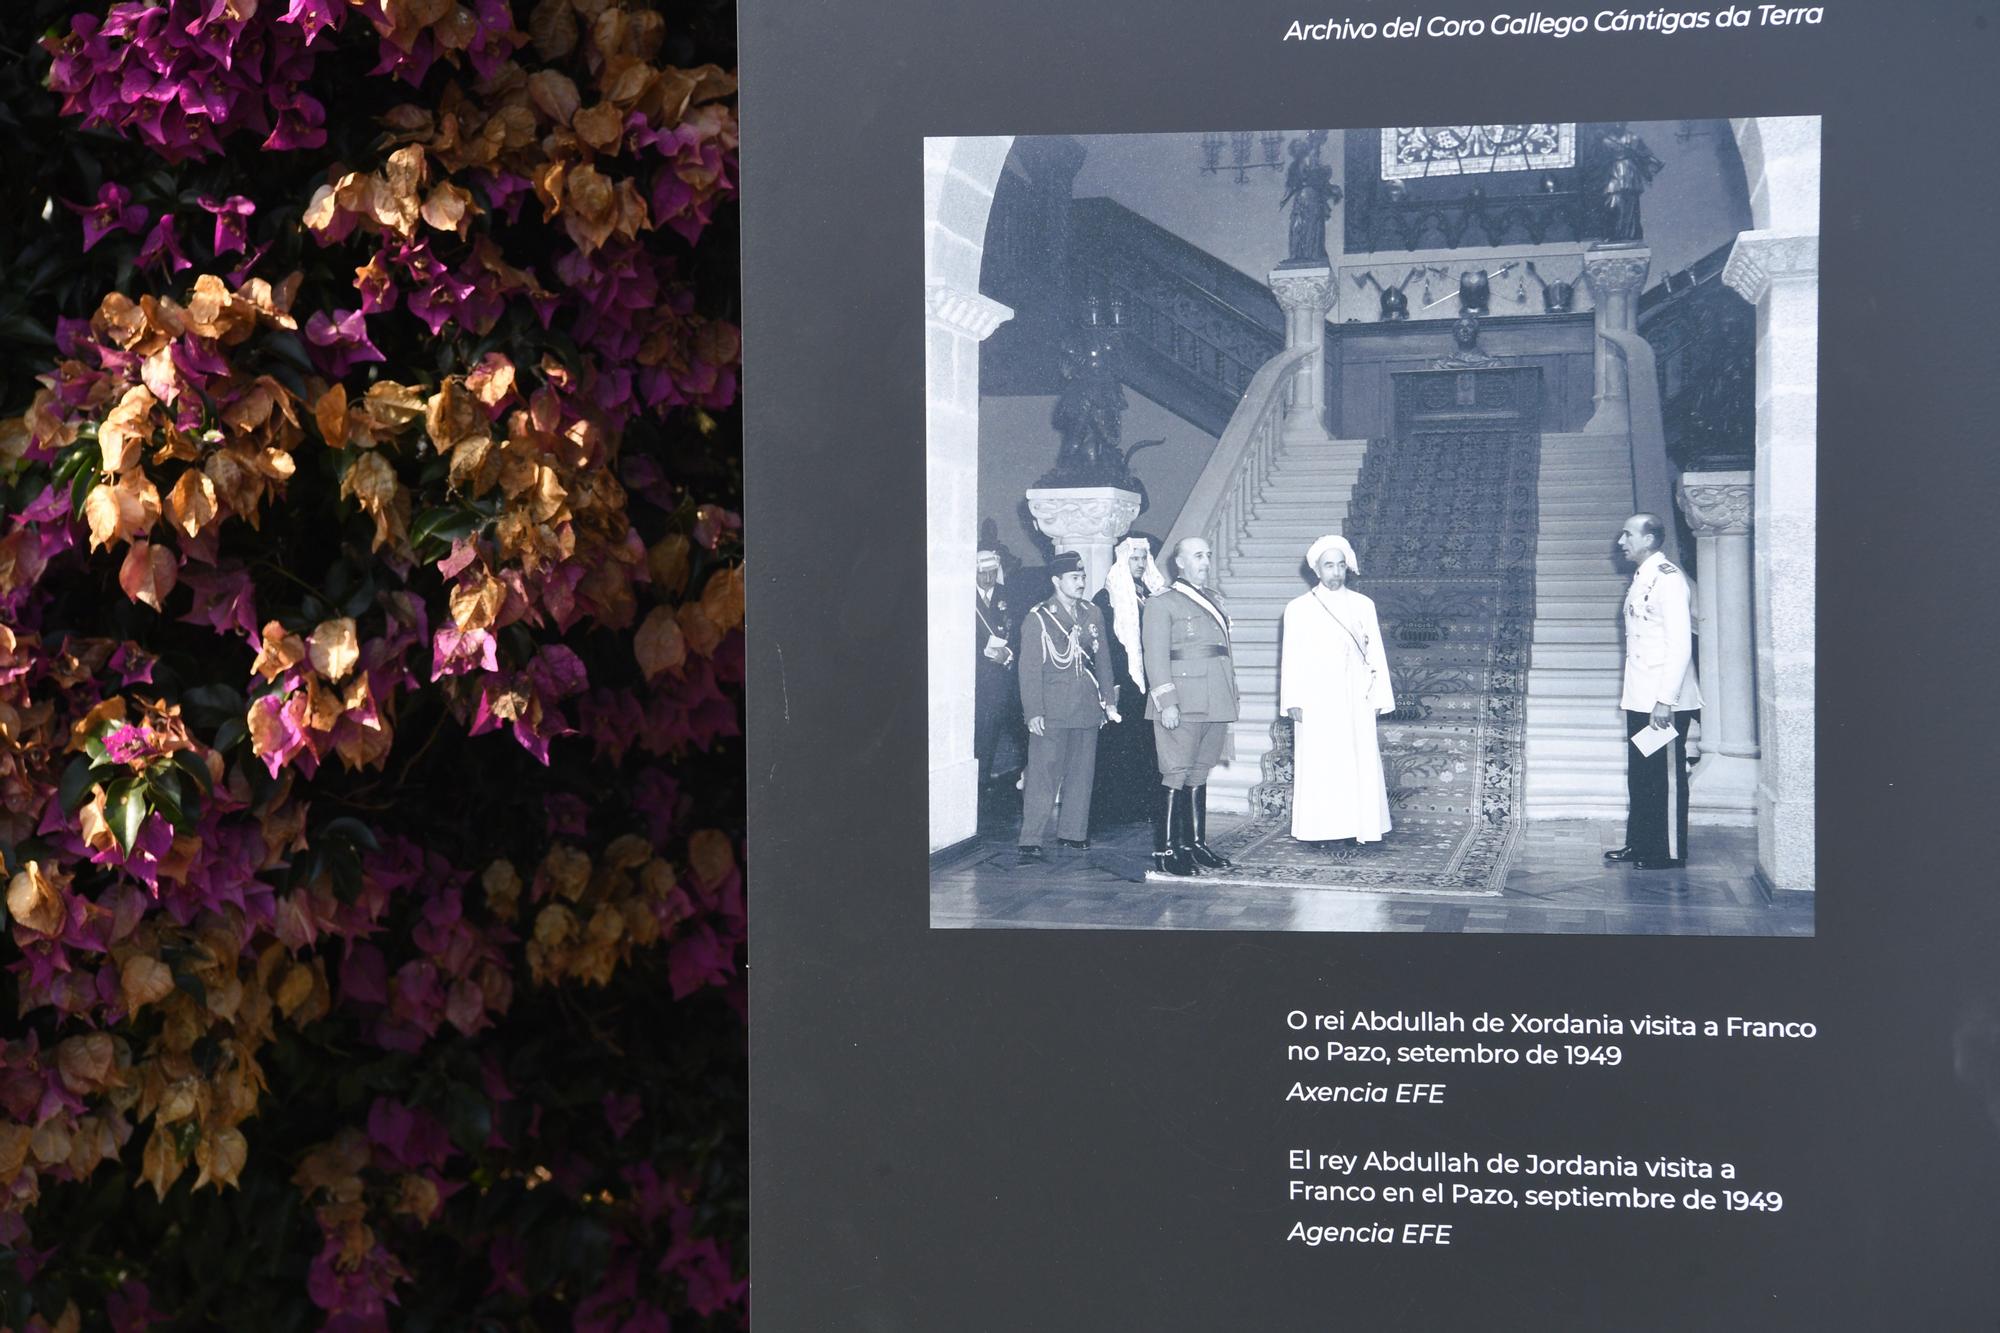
{"points": [[1633, 167], [1310, 191]]}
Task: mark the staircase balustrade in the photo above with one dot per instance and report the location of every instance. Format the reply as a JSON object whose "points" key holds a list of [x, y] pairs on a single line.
{"points": [[1220, 504], [1197, 329], [1652, 475]]}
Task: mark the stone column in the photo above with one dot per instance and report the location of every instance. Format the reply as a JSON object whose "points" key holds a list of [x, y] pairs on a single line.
{"points": [[1718, 508], [1090, 520], [1778, 272], [1616, 274], [955, 323], [1307, 296]]}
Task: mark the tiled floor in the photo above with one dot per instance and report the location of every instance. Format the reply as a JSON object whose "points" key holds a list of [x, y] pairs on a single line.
{"points": [[1558, 884]]}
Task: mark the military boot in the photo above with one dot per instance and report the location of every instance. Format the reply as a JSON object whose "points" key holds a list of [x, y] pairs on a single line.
{"points": [[1168, 857], [1198, 846]]}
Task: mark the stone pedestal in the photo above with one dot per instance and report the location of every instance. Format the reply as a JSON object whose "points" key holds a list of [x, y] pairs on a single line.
{"points": [[1307, 296], [1718, 509], [956, 322], [1616, 274], [1778, 272], [1090, 520]]}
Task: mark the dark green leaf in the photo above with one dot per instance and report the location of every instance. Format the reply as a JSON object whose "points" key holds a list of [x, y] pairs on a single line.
{"points": [[185, 761], [232, 730], [350, 829], [213, 702], [76, 784], [125, 807]]}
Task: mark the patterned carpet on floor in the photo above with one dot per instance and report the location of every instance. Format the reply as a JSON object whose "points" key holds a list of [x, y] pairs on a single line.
{"points": [[1443, 525]]}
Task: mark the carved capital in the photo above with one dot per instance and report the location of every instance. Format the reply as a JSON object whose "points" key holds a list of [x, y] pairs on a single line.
{"points": [[1718, 504], [1303, 288], [964, 312], [1071, 516], [1620, 272], [1760, 258]]}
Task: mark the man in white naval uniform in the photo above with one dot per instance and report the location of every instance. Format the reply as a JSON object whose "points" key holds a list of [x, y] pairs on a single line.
{"points": [[1660, 692]]}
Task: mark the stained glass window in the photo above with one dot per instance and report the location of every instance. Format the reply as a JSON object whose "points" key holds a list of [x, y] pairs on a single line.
{"points": [[1411, 151]]}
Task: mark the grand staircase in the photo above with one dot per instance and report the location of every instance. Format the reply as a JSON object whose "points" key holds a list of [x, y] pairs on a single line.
{"points": [[1303, 497], [1205, 341], [1576, 731]]}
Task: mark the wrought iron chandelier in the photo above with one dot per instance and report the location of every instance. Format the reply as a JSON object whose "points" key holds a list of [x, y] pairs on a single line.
{"points": [[1242, 146]]}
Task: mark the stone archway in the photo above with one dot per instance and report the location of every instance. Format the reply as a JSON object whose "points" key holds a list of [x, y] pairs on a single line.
{"points": [[959, 178], [1775, 267]]}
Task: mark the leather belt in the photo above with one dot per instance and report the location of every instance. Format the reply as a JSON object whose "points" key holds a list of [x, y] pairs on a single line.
{"points": [[1200, 650]]}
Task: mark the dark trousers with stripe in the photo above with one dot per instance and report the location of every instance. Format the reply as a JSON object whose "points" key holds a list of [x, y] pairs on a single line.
{"points": [[1062, 761], [1656, 788]]}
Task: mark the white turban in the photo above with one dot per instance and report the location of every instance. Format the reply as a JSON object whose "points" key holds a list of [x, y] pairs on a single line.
{"points": [[1124, 599], [1331, 542], [990, 560]]}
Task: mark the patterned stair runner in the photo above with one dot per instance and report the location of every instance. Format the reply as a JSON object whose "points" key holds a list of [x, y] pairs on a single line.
{"points": [[1444, 524]]}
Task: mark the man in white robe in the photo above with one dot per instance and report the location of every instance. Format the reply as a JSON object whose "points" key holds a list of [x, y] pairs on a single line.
{"points": [[1333, 681]]}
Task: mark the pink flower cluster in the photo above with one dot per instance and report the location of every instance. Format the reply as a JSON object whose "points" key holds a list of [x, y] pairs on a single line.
{"points": [[183, 76], [459, 972]]}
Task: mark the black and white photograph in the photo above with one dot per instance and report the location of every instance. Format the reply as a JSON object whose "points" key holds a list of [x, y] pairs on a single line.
{"points": [[1395, 529]]}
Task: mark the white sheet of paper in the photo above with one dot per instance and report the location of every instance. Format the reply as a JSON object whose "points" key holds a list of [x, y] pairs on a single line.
{"points": [[1649, 740]]}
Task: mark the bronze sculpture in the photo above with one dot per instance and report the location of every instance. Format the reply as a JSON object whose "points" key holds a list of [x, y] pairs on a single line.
{"points": [[1310, 191], [1633, 167]]}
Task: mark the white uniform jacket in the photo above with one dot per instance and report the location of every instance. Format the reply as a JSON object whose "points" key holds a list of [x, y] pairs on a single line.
{"points": [[1659, 639]]}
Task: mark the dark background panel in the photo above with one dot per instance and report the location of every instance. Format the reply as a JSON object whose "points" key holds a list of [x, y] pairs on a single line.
{"points": [[1083, 1130]]}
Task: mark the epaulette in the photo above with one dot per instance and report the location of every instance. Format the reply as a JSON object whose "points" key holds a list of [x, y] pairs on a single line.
{"points": [[1668, 567]]}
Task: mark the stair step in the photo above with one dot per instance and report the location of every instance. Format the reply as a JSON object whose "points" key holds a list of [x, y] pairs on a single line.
{"points": [[1560, 588], [1572, 712], [1290, 529], [1304, 495], [1253, 567], [1575, 608], [1605, 750], [1573, 632], [1565, 463], [1572, 656], [1297, 505], [1573, 682], [1584, 503], [1270, 548], [1606, 781]]}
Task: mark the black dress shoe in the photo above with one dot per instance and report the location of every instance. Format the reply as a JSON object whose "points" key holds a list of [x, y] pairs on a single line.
{"points": [[1080, 844], [1027, 856], [1638, 864], [1621, 854]]}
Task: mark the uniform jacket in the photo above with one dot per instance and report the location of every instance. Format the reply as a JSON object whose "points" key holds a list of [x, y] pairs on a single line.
{"points": [[1065, 670], [991, 619], [1659, 638], [1180, 631]]}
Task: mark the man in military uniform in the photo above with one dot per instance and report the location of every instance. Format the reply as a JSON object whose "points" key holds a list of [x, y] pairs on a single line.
{"points": [[1067, 693], [993, 687], [1660, 694], [1192, 701]]}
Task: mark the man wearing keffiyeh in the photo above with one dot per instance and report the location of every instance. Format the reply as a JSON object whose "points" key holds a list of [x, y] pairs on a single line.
{"points": [[1127, 772]]}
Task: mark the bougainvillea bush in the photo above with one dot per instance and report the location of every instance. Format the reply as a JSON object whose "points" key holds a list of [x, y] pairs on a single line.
{"points": [[370, 652]]}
